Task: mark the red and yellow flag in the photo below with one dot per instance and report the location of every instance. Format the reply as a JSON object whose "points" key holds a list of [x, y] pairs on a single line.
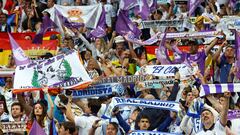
{"points": [[31, 50]]}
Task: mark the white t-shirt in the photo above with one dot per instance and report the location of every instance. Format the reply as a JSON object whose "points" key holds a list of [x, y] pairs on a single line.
{"points": [[235, 126], [109, 14], [85, 124], [218, 129]]}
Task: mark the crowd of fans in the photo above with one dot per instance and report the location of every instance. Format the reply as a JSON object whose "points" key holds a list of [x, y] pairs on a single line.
{"points": [[113, 55]]}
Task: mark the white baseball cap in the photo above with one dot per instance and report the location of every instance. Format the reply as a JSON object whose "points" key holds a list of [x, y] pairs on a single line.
{"points": [[119, 39]]}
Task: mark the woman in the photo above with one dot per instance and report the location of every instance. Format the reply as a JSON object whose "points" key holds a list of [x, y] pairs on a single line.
{"points": [[4, 114], [40, 114]]}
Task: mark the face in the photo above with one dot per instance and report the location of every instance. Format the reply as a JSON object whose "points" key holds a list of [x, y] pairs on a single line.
{"points": [[16, 111], [157, 16], [9, 83], [184, 94], [221, 100], [38, 26], [193, 49], [50, 3], [62, 131], [78, 2], [144, 124], [3, 18], [65, 43], [183, 7], [98, 42], [119, 48], [189, 97], [38, 110], [207, 117], [87, 55], [111, 130], [125, 54], [229, 52], [134, 115], [87, 109], [1, 108], [195, 93]]}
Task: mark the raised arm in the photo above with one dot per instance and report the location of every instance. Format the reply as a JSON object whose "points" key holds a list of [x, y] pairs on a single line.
{"points": [[215, 103], [216, 56], [212, 44], [69, 113], [224, 112], [110, 43], [49, 99]]}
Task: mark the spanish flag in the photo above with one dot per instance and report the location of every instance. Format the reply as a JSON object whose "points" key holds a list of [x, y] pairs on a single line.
{"points": [[31, 50]]}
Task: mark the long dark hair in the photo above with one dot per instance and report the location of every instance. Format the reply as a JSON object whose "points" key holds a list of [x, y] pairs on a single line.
{"points": [[44, 113], [2, 98]]}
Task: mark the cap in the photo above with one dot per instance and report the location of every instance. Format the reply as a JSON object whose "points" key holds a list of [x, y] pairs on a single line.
{"points": [[119, 39]]}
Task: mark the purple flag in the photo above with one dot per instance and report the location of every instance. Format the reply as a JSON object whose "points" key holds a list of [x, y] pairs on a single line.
{"points": [[46, 24], [36, 129], [192, 5], [143, 9], [18, 53], [153, 5], [101, 26], [66, 22], [161, 52], [163, 57], [127, 4], [237, 47], [124, 25]]}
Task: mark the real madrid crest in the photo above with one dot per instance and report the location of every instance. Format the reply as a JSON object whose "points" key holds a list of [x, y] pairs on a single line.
{"points": [[74, 15]]}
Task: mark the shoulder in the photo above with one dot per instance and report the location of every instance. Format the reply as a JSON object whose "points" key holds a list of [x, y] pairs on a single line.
{"points": [[219, 127]]}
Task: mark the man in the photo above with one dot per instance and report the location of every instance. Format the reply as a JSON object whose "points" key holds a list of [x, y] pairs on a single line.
{"points": [[207, 119], [17, 112], [50, 3], [112, 128], [194, 55], [17, 115], [225, 61], [144, 122], [4, 27], [157, 116], [120, 47], [85, 121], [67, 128]]}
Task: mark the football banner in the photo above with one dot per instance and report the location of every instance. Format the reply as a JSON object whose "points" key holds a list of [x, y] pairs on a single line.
{"points": [[64, 71], [165, 23], [145, 132], [124, 79], [6, 72], [87, 15], [166, 105], [207, 89], [13, 127], [167, 70], [99, 90]]}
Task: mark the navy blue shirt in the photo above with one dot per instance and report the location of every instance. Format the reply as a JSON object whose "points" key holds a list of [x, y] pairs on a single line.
{"points": [[225, 68]]}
